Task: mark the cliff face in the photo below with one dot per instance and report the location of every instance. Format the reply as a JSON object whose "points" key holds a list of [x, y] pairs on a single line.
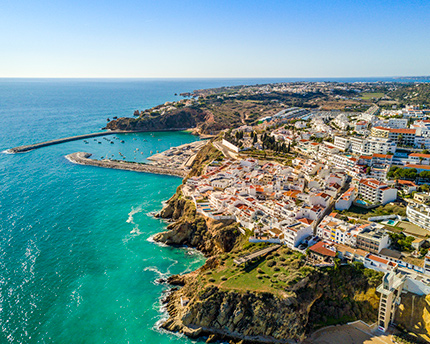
{"points": [[178, 119], [207, 308], [191, 229], [414, 314]]}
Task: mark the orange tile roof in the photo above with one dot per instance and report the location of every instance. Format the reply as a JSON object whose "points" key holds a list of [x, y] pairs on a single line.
{"points": [[420, 167], [386, 156], [305, 221], [403, 131], [320, 248], [419, 155], [406, 182]]}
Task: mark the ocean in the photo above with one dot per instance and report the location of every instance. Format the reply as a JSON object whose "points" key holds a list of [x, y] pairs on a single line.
{"points": [[77, 264]]}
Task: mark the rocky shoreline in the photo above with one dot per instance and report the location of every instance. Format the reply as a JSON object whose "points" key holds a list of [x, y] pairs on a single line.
{"points": [[82, 158]]}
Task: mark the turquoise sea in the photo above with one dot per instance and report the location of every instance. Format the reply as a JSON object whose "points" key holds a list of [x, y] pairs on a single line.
{"points": [[76, 261]]}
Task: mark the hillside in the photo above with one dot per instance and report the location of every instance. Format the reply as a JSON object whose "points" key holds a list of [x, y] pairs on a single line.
{"points": [[275, 299]]}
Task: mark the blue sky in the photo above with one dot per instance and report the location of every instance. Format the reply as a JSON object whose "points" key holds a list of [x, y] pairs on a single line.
{"points": [[159, 38]]}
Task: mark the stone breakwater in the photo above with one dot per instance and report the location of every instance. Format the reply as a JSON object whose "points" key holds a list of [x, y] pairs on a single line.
{"points": [[23, 149], [82, 158]]}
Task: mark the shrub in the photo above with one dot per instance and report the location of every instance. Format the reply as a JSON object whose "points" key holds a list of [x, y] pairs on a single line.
{"points": [[211, 280], [271, 263]]}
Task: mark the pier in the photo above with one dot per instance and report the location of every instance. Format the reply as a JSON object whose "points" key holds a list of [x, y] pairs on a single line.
{"points": [[83, 158], [23, 149]]}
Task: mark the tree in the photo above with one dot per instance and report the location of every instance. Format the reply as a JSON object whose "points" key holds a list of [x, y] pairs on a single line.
{"points": [[425, 187]]}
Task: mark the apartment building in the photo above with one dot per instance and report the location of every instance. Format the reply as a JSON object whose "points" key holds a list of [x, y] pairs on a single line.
{"points": [[419, 159], [419, 214], [373, 240], [397, 123], [365, 146], [375, 191], [404, 137], [294, 234]]}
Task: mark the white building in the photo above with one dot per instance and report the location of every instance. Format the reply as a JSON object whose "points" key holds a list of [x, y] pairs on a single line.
{"points": [[345, 201], [365, 146], [419, 214], [376, 192], [294, 234], [419, 159], [397, 123]]}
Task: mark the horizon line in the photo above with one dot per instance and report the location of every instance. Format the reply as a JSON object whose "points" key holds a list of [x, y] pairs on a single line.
{"points": [[203, 77]]}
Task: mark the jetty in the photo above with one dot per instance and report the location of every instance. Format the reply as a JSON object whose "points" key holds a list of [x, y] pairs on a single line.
{"points": [[246, 258], [23, 149], [83, 158]]}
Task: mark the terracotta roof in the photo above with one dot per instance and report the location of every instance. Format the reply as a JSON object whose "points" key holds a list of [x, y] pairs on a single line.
{"points": [[320, 248], [377, 259], [386, 156], [406, 182], [420, 167], [305, 221], [402, 131], [419, 155]]}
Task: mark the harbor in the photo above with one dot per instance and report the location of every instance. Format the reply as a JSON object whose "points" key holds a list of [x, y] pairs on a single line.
{"points": [[180, 157], [83, 158]]}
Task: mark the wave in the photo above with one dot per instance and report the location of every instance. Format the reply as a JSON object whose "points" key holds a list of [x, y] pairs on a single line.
{"points": [[7, 151], [133, 212], [161, 275], [151, 240]]}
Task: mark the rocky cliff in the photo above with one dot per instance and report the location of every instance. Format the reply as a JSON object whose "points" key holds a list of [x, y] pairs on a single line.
{"points": [[413, 314], [178, 119], [208, 307], [191, 229]]}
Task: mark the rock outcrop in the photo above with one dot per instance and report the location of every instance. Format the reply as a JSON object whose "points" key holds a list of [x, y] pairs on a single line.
{"points": [[261, 317], [413, 314], [178, 119], [191, 229]]}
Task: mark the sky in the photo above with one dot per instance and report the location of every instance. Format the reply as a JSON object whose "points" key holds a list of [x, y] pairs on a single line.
{"points": [[217, 38]]}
